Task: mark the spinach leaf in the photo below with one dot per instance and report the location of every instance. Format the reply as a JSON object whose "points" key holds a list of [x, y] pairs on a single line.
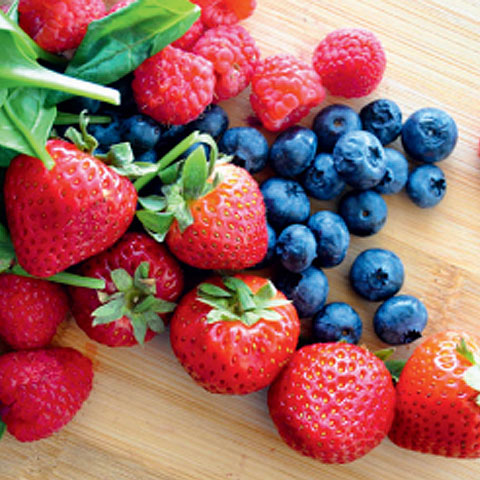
{"points": [[117, 44], [6, 156]]}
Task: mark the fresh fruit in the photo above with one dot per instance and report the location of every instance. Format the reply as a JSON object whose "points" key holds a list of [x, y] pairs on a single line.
{"points": [[42, 390], [396, 174], [359, 159], [30, 311], [332, 236], [213, 120], [337, 322], [225, 12], [364, 212], [190, 37], [248, 147], [224, 228], [293, 151], [333, 402], [426, 186], [270, 255], [296, 247], [58, 25], [383, 118], [234, 335], [141, 132], [284, 89], [350, 62], [62, 216], [332, 122], [142, 280], [286, 202], [234, 56], [438, 405], [400, 319], [429, 135], [174, 86], [377, 274], [107, 134], [119, 5], [321, 180], [308, 290]]}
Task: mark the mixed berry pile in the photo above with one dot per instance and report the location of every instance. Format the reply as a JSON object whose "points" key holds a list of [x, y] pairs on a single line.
{"points": [[162, 205]]}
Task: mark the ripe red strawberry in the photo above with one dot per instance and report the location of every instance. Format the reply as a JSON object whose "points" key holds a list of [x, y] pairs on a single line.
{"points": [[438, 401], [225, 12], [234, 335], [42, 390], [58, 25], [333, 402], [62, 216], [129, 310], [30, 311]]}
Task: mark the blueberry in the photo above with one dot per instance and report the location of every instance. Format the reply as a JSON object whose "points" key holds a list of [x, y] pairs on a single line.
{"points": [[429, 135], [293, 151], [272, 242], [171, 135], [142, 132], [78, 104], [296, 247], [336, 322], [332, 122], [377, 274], [107, 134], [154, 187], [189, 150], [426, 186], [383, 118], [307, 290], [332, 236], [396, 174], [247, 145], [400, 320], [150, 156], [359, 159], [321, 179], [213, 120], [364, 212], [286, 202]]}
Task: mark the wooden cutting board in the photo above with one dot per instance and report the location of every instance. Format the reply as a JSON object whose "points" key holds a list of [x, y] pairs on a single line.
{"points": [[147, 420]]}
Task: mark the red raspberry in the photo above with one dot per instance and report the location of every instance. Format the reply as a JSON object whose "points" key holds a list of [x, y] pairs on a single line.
{"points": [[174, 86], [225, 12], [284, 89], [190, 37], [234, 55], [350, 61], [59, 25], [119, 5]]}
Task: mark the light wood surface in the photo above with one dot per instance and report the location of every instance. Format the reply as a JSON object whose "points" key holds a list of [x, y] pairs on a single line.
{"points": [[147, 420]]}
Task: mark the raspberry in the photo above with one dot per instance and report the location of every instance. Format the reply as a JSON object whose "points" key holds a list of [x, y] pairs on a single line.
{"points": [[119, 5], [190, 37], [59, 25], [234, 55], [350, 61], [225, 12], [174, 86], [284, 89]]}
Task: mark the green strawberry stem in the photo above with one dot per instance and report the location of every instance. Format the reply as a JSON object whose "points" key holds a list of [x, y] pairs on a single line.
{"points": [[64, 118], [66, 278], [236, 302], [472, 374]]}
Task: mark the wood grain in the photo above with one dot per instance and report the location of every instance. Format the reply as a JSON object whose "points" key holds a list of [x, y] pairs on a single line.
{"points": [[146, 420]]}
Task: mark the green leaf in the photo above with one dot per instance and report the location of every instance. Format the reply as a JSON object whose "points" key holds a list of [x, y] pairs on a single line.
{"points": [[155, 222], [213, 290], [154, 304], [7, 253], [170, 174], [109, 312], [154, 203], [117, 44], [6, 156], [154, 322], [465, 352], [245, 295], [141, 273], [122, 279], [13, 11], [395, 368], [3, 428], [195, 174], [384, 354], [139, 328], [268, 314]]}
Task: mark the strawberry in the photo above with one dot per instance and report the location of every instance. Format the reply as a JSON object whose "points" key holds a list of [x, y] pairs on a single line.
{"points": [[42, 390], [438, 400], [62, 216], [233, 335], [210, 219], [129, 310], [30, 311], [333, 402]]}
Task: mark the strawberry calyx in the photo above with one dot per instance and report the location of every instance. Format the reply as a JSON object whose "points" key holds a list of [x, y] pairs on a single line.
{"points": [[183, 183], [135, 299], [237, 303], [472, 374], [394, 367]]}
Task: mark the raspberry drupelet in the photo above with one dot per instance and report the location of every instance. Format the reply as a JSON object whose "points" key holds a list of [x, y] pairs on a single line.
{"points": [[225, 12]]}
